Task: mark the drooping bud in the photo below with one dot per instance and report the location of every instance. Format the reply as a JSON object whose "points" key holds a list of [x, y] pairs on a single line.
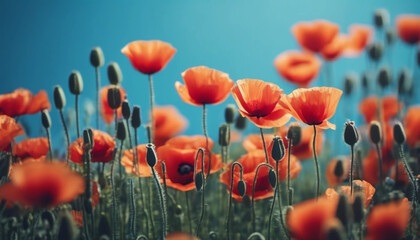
{"points": [[278, 151], [351, 136], [294, 134], [399, 133], [135, 118], [59, 97], [121, 130], [224, 135], [375, 51], [45, 119], [75, 83], [384, 77], [151, 157], [125, 109], [272, 178], [230, 113], [405, 81], [97, 57], [391, 36], [349, 83], [114, 97], [375, 132], [241, 188], [240, 122], [381, 17], [339, 169], [66, 227], [358, 209], [114, 73], [198, 180]]}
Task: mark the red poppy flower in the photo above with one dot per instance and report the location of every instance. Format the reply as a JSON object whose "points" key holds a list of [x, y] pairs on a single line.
{"points": [[204, 85], [253, 142], [314, 36], [21, 102], [309, 219], [411, 125], [332, 179], [402, 174], [127, 161], [180, 236], [42, 184], [299, 68], [102, 151], [149, 57], [107, 112], [179, 154], [313, 106], [408, 28], [259, 102], [359, 37], [371, 168], [363, 187], [9, 129], [168, 123], [77, 217], [388, 220], [304, 150], [335, 48], [32, 147], [368, 107]]}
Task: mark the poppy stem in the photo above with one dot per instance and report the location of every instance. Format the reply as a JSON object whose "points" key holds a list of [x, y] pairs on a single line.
{"points": [[67, 135], [273, 204], [200, 187], [98, 83], [253, 192], [114, 215], [77, 116], [162, 202], [150, 206], [207, 138], [188, 212], [152, 105], [230, 196], [316, 164], [265, 148], [132, 209], [49, 144], [351, 169], [378, 150], [290, 191], [410, 176], [115, 121]]}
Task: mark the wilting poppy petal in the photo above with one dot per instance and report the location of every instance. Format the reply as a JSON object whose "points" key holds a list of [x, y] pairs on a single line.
{"points": [[408, 28], [204, 85], [299, 68], [32, 147], [106, 111], [102, 150], [313, 106], [9, 129], [21, 102], [168, 123], [359, 37], [411, 125], [315, 35], [149, 57], [127, 161]]}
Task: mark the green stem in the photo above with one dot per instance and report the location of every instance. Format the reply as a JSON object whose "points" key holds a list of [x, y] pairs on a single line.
{"points": [[202, 151], [188, 212], [132, 209], [67, 135], [77, 116], [265, 148], [316, 164], [152, 105], [230, 196], [289, 198], [49, 144], [351, 168], [253, 193], [162, 203], [378, 150], [207, 138], [98, 83], [114, 215]]}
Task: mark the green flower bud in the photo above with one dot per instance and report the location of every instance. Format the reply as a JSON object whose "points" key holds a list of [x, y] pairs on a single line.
{"points": [[114, 73], [59, 97], [75, 83], [97, 57]]}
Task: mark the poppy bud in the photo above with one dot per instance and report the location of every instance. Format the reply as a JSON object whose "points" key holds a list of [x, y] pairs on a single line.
{"points": [[224, 135], [66, 227], [114, 73], [121, 131], [343, 212], [277, 152], [351, 136], [125, 109], [75, 83], [151, 157], [90, 131], [198, 181], [405, 81], [391, 36], [45, 119], [381, 17], [87, 139], [349, 82], [49, 218], [399, 133], [384, 77], [104, 225], [375, 132], [375, 51], [241, 188], [240, 122], [365, 80], [272, 178], [59, 97], [339, 169], [97, 57], [135, 118], [212, 235], [335, 231], [294, 134], [358, 209], [230, 113], [114, 97]]}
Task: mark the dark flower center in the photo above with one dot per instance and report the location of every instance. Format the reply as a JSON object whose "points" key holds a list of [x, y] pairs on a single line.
{"points": [[185, 168]]}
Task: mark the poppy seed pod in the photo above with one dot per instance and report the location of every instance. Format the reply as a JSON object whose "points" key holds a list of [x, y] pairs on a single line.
{"points": [[381, 17], [278, 152], [358, 210], [399, 133], [151, 157], [349, 83], [351, 136], [135, 118], [125, 109], [339, 169], [391, 36], [121, 130], [230, 113], [97, 57], [343, 212], [224, 135], [45, 119], [240, 122], [375, 132], [75, 83], [272, 178], [294, 134], [199, 181], [241, 188], [87, 139], [384, 77], [66, 227], [114, 97], [375, 51], [59, 97], [114, 73], [405, 81]]}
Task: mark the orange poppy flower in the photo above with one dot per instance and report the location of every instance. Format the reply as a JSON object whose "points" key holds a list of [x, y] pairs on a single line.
{"points": [[149, 57], [313, 106], [106, 111], [102, 151], [364, 187], [368, 107], [303, 150], [9, 129], [371, 168], [180, 236], [359, 37], [42, 185], [402, 174], [411, 122], [32, 147], [168, 123], [408, 28], [309, 219], [77, 217], [299, 68], [335, 48], [127, 161], [21, 102], [259, 102], [332, 179], [179, 154], [315, 35], [254, 142], [204, 85], [388, 220]]}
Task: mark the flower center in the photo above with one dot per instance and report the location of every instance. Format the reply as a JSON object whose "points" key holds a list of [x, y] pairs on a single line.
{"points": [[185, 168]]}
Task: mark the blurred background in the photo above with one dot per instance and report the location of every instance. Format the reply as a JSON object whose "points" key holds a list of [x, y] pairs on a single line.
{"points": [[41, 42]]}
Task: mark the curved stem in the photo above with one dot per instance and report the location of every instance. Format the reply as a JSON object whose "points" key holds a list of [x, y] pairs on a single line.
{"points": [[188, 212], [98, 84], [67, 135], [265, 148], [316, 164], [378, 150], [351, 168], [289, 196], [253, 192], [77, 116], [230, 196], [202, 151], [207, 137], [152, 105]]}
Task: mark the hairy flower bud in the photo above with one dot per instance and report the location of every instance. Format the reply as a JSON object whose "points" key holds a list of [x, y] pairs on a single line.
{"points": [[399, 133], [240, 122], [375, 132], [224, 135], [121, 131], [114, 73], [381, 17], [339, 169], [125, 109], [294, 134], [97, 57], [241, 188], [405, 81], [278, 151], [272, 178], [114, 97], [349, 83], [375, 51], [358, 209], [351, 136], [135, 118], [75, 83], [391, 36], [59, 98], [45, 119], [151, 157]]}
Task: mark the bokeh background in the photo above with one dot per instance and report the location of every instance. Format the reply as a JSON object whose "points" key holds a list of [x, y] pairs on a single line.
{"points": [[41, 42]]}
